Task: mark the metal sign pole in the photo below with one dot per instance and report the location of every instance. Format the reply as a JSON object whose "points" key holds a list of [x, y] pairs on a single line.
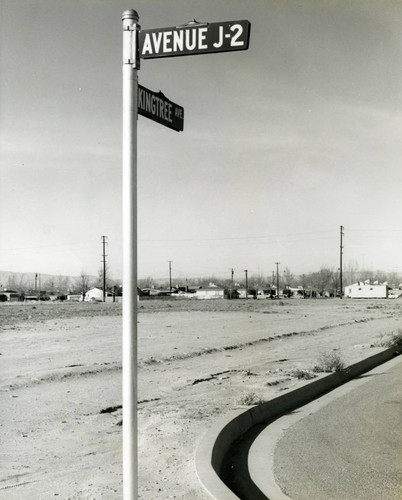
{"points": [[130, 112]]}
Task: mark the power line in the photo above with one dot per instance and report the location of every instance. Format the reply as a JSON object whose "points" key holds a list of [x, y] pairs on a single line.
{"points": [[231, 238], [56, 245]]}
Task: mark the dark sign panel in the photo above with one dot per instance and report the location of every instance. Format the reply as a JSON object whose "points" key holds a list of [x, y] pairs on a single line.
{"points": [[194, 38], [158, 108]]}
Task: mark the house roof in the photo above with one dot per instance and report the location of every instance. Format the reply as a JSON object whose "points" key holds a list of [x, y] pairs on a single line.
{"points": [[367, 283], [210, 288]]}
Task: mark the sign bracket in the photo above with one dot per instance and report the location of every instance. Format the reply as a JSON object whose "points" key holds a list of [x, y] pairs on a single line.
{"points": [[192, 24]]}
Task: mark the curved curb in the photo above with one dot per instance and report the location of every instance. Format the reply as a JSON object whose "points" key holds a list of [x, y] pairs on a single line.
{"points": [[213, 448]]}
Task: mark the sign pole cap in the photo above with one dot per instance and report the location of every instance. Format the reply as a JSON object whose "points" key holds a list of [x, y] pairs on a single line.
{"points": [[130, 14]]}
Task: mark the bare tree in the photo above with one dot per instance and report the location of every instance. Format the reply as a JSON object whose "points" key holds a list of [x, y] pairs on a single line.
{"points": [[62, 283], [321, 280], [83, 283], [288, 277]]}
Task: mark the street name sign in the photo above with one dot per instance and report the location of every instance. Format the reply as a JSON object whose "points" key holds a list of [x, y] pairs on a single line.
{"points": [[157, 107], [194, 38]]}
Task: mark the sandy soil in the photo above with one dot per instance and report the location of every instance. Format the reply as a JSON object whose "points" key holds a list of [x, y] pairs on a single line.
{"points": [[60, 389]]}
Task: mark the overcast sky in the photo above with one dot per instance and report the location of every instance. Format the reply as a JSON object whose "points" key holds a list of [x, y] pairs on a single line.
{"points": [[282, 143]]}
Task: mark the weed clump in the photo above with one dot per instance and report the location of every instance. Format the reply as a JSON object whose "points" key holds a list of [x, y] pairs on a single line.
{"points": [[303, 374], [329, 362], [251, 398], [396, 339], [392, 340]]}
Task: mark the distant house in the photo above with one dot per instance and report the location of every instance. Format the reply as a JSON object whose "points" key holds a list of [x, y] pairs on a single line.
{"points": [[96, 295], [367, 290], [149, 292], [9, 296], [247, 294], [31, 295], [165, 293], [74, 298], [297, 293], [210, 292]]}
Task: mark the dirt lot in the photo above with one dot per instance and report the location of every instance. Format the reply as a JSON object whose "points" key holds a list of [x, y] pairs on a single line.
{"points": [[60, 390]]}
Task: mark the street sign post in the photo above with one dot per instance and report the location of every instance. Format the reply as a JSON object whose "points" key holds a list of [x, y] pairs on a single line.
{"points": [[159, 108], [129, 341], [188, 39], [194, 38]]}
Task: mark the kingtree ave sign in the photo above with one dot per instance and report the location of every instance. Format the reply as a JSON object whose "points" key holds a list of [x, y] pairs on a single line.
{"points": [[157, 107], [194, 38]]}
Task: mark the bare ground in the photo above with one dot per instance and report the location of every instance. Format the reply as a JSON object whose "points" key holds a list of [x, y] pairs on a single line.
{"points": [[60, 388]]}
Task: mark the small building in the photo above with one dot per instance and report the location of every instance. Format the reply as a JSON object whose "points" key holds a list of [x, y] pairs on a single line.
{"points": [[148, 292], [96, 295], [249, 293], [297, 293], [32, 295], [74, 298], [366, 290], [210, 292], [9, 296]]}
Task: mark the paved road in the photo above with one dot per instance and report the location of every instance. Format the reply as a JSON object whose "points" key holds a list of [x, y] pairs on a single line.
{"points": [[347, 445]]}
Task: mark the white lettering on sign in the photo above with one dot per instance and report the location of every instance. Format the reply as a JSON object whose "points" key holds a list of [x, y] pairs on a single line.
{"points": [[159, 108], [166, 42], [192, 39], [234, 42], [220, 41], [157, 37], [202, 35], [155, 105], [239, 30]]}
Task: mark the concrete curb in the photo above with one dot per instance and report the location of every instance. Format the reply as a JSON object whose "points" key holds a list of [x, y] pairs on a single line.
{"points": [[217, 441]]}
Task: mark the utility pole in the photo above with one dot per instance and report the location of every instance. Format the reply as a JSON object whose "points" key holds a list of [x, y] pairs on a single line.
{"points": [[340, 263], [246, 283], [170, 276], [104, 243], [232, 274], [277, 278]]}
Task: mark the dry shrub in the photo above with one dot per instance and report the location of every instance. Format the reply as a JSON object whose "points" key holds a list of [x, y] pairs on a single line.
{"points": [[251, 398], [329, 362], [303, 374], [392, 340], [396, 339]]}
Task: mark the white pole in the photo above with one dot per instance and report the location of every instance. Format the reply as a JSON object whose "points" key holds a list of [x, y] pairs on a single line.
{"points": [[130, 109]]}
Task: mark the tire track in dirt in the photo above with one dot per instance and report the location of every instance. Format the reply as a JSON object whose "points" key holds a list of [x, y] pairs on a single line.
{"points": [[15, 485], [241, 345], [71, 374]]}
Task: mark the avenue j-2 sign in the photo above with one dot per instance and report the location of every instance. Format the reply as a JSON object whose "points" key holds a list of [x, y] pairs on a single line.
{"points": [[159, 108], [194, 38]]}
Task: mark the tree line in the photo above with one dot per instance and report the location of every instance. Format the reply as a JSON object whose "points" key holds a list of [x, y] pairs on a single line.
{"points": [[60, 285], [324, 280]]}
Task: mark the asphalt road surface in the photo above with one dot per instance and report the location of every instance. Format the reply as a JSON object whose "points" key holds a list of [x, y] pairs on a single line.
{"points": [[350, 448]]}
